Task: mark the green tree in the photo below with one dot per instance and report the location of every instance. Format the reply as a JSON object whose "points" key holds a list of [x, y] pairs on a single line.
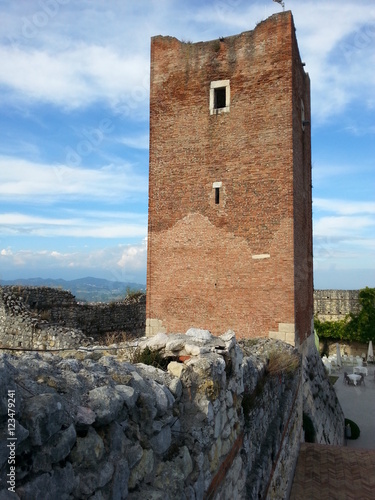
{"points": [[362, 325]]}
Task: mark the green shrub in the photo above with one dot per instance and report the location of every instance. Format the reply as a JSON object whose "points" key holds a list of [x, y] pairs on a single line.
{"points": [[148, 357]]}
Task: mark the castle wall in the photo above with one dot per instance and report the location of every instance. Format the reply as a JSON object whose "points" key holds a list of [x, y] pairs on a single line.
{"points": [[46, 318], [238, 250], [218, 423], [334, 305], [42, 317]]}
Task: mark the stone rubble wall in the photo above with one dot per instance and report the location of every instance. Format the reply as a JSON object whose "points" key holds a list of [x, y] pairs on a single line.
{"points": [[31, 308], [334, 305], [50, 318], [214, 424], [22, 327], [320, 401]]}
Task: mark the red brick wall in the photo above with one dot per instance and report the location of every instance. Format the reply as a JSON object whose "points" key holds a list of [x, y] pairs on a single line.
{"points": [[304, 301], [201, 266]]}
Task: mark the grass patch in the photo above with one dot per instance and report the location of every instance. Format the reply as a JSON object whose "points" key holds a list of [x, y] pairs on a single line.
{"points": [[116, 338], [148, 357], [282, 362]]}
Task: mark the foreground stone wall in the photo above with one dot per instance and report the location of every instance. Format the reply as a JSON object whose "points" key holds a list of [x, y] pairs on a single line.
{"points": [[333, 305], [222, 420], [320, 401]]}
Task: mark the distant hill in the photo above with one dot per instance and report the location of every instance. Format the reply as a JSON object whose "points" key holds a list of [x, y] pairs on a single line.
{"points": [[84, 289]]}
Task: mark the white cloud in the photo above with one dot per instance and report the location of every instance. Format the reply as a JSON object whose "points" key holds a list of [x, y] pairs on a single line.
{"points": [[6, 251], [348, 227], [340, 66], [133, 257], [37, 182], [345, 207], [73, 78], [105, 53], [137, 142], [79, 226]]}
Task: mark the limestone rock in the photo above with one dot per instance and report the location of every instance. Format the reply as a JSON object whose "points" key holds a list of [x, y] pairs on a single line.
{"points": [[43, 416], [50, 486], [56, 449], [192, 349], [90, 480], [198, 334], [85, 416], [142, 469], [128, 394], [106, 402], [157, 342], [176, 369], [89, 450], [120, 480]]}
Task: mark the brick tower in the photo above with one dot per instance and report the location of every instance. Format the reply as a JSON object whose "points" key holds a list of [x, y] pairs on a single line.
{"points": [[230, 219]]}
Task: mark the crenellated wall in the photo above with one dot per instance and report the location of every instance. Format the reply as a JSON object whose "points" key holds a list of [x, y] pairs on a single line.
{"points": [[333, 305]]}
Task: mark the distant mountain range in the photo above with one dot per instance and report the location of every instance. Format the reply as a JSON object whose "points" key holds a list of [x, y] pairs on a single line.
{"points": [[84, 289]]}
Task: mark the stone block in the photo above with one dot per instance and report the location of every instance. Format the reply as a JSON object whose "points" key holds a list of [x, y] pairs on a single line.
{"points": [[176, 369], [43, 416], [287, 327]]}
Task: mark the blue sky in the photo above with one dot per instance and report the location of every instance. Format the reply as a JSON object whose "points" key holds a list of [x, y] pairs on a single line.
{"points": [[74, 98]]}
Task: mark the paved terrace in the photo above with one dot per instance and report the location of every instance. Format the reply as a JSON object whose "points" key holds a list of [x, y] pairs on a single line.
{"points": [[342, 472]]}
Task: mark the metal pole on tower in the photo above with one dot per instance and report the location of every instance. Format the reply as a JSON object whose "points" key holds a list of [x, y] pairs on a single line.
{"points": [[281, 3]]}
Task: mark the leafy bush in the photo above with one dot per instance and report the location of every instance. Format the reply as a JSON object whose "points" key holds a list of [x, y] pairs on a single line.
{"points": [[332, 329]]}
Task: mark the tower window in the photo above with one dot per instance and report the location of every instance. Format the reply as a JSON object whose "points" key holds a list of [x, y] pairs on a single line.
{"points": [[219, 97], [217, 196], [216, 187]]}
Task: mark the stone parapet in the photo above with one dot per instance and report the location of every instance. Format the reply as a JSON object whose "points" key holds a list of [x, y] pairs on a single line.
{"points": [[220, 420]]}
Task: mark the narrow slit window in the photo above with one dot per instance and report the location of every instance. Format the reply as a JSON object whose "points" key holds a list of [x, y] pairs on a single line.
{"points": [[217, 195], [216, 187]]}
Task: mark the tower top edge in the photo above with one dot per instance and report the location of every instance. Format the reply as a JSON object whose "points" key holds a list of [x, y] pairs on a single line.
{"points": [[280, 16]]}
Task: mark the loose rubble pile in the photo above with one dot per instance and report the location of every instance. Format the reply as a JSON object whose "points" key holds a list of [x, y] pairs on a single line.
{"points": [[96, 426]]}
